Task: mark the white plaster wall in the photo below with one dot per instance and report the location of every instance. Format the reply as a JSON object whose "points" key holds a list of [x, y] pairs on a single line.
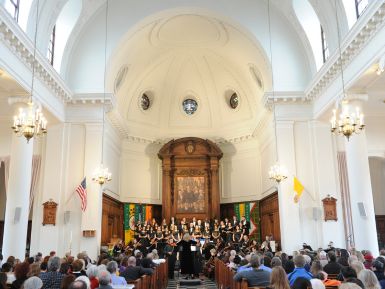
{"points": [[375, 135], [5, 138], [140, 173], [377, 176], [240, 172]]}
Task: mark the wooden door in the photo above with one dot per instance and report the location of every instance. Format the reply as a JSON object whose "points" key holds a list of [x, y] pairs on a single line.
{"points": [[380, 223], [112, 220], [269, 211]]}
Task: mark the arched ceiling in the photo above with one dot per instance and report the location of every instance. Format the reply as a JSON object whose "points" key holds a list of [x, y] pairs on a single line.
{"points": [[194, 56]]}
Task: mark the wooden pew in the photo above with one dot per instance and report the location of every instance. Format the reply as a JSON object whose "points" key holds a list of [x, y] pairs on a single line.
{"points": [[158, 280]]}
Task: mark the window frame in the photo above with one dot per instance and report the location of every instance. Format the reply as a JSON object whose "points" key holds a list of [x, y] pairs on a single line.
{"points": [[325, 46], [357, 6], [51, 46], [16, 6]]}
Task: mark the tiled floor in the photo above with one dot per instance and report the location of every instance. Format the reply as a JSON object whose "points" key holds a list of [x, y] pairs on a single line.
{"points": [[206, 284]]}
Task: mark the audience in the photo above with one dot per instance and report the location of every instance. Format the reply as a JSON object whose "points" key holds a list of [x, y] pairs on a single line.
{"points": [[3, 280], [52, 278], [112, 267], [67, 280], [134, 272], [369, 279], [278, 279], [332, 267], [92, 273], [21, 271], [104, 279], [33, 282], [301, 283]]}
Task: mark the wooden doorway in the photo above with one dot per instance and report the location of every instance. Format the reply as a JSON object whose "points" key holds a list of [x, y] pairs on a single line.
{"points": [[380, 224], [112, 220], [269, 210]]}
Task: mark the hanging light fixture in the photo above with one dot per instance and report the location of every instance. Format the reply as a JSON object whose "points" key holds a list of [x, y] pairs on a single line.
{"points": [[349, 121], [31, 122], [101, 174], [277, 172]]}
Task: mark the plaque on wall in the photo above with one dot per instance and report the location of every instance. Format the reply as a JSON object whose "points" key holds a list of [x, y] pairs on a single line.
{"points": [[330, 208], [49, 213]]}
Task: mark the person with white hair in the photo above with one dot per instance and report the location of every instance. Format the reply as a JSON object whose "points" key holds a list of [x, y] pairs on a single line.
{"points": [[369, 279], [317, 284], [33, 283], [104, 280], [85, 280], [92, 273], [112, 267]]}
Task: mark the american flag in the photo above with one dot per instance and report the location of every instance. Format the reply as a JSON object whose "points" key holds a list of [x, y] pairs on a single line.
{"points": [[82, 191]]}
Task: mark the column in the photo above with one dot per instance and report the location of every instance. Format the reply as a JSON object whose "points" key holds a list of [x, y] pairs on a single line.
{"points": [[361, 197], [92, 217], [215, 201], [289, 212], [167, 204], [17, 205]]}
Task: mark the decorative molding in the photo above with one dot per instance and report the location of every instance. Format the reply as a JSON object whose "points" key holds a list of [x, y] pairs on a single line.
{"points": [[22, 47], [283, 97], [366, 27]]}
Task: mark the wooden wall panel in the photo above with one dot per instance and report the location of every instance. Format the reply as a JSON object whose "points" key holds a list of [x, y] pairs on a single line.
{"points": [[380, 224], [112, 220], [269, 211]]}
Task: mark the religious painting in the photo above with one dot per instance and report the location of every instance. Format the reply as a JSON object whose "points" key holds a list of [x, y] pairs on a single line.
{"points": [[190, 194], [330, 208]]}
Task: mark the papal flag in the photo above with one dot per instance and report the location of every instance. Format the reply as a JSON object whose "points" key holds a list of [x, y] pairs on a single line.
{"points": [[298, 189]]}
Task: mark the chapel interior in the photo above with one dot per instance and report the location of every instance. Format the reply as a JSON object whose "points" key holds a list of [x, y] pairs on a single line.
{"points": [[273, 109]]}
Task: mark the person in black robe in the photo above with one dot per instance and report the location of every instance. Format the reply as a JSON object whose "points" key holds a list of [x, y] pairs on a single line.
{"points": [[186, 256], [170, 254]]}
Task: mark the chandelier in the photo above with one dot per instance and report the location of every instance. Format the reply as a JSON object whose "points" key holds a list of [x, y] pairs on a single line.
{"points": [[348, 122], [277, 172], [30, 123], [101, 174]]}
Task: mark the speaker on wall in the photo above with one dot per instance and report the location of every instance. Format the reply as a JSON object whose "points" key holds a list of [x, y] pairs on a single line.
{"points": [[67, 217], [362, 209], [316, 213], [16, 218]]}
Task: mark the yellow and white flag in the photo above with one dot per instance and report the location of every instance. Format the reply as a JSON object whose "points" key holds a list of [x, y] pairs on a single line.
{"points": [[298, 189]]}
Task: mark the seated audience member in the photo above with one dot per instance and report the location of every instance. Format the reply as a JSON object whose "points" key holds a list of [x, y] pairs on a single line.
{"points": [[322, 258], [323, 276], [112, 267], [78, 285], [66, 282], [332, 267], [299, 271], [263, 266], [134, 272], [247, 265], [52, 278], [316, 267], [350, 276], [34, 270], [317, 284], [92, 273], [378, 269], [3, 280], [21, 271], [357, 266], [85, 280], [276, 262], [123, 264], [368, 260], [33, 283], [104, 280], [369, 279], [43, 267], [287, 264], [278, 279], [77, 268], [255, 277], [7, 269], [301, 283]]}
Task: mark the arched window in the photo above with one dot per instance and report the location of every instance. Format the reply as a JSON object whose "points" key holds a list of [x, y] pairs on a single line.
{"points": [[12, 6], [360, 7], [19, 10], [354, 9], [311, 24]]}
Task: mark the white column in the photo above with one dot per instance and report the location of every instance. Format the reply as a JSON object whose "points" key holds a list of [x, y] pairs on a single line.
{"points": [[289, 213], [92, 217], [361, 192], [17, 205]]}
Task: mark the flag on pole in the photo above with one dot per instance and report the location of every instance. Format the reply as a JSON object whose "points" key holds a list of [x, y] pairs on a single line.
{"points": [[298, 188], [82, 192]]}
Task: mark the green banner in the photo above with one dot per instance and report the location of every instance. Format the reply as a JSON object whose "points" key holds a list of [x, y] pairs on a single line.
{"points": [[236, 210], [247, 211], [126, 217]]}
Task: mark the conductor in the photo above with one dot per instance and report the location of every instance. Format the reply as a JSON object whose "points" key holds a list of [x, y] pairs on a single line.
{"points": [[187, 253]]}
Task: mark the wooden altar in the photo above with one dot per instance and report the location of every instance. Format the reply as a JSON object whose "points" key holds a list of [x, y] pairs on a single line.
{"points": [[190, 178]]}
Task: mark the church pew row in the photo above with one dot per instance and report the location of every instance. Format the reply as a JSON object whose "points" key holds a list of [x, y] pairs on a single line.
{"points": [[224, 277], [158, 280]]}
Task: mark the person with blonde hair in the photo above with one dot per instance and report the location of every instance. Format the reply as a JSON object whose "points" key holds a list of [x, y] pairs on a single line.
{"points": [[357, 266], [369, 279], [278, 278], [187, 255]]}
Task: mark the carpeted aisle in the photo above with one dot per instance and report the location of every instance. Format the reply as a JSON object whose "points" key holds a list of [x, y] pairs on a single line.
{"points": [[206, 284]]}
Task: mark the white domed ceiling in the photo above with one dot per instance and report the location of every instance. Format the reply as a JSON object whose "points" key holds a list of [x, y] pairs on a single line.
{"points": [[188, 56]]}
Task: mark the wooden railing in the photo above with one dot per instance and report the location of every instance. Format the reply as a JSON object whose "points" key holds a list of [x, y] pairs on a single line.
{"points": [[158, 279], [224, 277]]}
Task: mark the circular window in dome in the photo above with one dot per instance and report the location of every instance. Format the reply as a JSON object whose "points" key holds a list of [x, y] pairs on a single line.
{"points": [[234, 100], [190, 106], [145, 102]]}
